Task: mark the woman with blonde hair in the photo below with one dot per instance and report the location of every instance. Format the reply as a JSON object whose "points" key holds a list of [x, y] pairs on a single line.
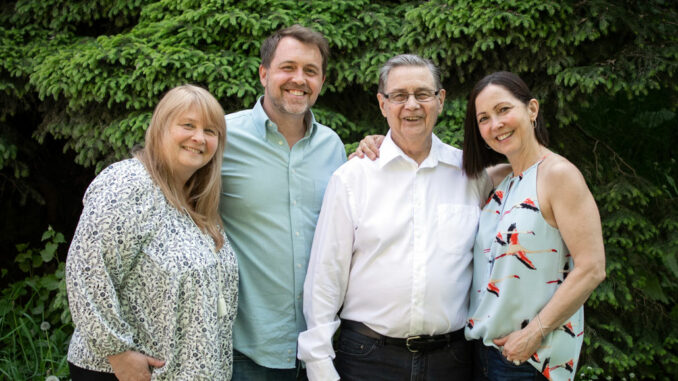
{"points": [[152, 280]]}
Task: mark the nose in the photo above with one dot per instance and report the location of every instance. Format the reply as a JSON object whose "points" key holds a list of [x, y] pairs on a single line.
{"points": [[411, 102], [496, 123], [198, 136], [299, 76]]}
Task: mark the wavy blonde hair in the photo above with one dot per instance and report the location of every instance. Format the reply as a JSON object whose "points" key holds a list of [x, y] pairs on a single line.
{"points": [[200, 196]]}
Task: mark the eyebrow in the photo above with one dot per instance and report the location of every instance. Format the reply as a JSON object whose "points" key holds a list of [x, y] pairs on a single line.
{"points": [[297, 63], [415, 90]]}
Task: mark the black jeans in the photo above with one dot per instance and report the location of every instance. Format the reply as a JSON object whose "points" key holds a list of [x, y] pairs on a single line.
{"points": [[360, 358]]}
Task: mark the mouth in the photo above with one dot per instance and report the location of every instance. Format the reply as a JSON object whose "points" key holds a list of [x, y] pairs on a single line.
{"points": [[194, 150], [504, 136], [296, 92], [413, 118]]}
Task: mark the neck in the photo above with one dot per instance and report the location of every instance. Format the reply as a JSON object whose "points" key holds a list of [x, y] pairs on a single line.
{"points": [[526, 158], [418, 151], [291, 126]]}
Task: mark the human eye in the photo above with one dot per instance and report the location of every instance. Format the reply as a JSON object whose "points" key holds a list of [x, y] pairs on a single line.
{"points": [[187, 125], [423, 96], [482, 119], [311, 71], [398, 97], [210, 131], [503, 109]]}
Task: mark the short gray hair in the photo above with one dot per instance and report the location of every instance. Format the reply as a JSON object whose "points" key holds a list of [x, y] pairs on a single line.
{"points": [[408, 60]]}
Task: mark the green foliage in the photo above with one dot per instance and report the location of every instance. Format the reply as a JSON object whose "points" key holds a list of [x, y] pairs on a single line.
{"points": [[88, 73], [35, 323]]}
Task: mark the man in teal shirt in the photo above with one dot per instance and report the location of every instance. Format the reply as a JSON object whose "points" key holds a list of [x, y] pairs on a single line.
{"points": [[277, 162]]}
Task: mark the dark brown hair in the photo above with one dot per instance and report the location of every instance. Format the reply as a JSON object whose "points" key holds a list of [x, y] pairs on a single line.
{"points": [[477, 155], [298, 32]]}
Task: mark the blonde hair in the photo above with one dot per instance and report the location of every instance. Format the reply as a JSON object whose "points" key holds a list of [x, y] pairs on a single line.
{"points": [[200, 196]]}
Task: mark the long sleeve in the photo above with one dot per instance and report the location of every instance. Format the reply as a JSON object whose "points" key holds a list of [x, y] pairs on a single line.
{"points": [[326, 281], [106, 244]]}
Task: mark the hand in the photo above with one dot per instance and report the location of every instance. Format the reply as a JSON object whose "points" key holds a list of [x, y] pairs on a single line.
{"points": [[133, 366], [369, 147], [519, 345]]}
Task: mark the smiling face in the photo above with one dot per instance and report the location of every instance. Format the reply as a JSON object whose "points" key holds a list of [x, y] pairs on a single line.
{"points": [[412, 121], [293, 80], [189, 144], [505, 123]]}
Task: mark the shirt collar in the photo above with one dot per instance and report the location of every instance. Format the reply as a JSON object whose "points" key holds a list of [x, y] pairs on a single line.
{"points": [[262, 121], [440, 152]]}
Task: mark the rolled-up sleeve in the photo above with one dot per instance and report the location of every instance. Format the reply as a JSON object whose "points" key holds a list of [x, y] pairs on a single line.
{"points": [[107, 242], [326, 281]]}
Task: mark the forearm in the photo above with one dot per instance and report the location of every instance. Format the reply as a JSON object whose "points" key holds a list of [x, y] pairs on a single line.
{"points": [[569, 297]]}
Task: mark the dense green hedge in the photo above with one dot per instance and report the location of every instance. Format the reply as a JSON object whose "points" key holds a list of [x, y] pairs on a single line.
{"points": [[87, 73]]}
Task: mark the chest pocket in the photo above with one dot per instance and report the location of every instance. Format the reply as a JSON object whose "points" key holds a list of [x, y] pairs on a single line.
{"points": [[457, 226]]}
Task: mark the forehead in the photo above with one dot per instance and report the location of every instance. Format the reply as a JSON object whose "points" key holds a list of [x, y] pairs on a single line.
{"points": [[409, 78], [290, 49], [492, 95]]}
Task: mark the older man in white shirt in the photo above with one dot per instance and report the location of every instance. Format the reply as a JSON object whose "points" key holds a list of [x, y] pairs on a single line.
{"points": [[392, 249]]}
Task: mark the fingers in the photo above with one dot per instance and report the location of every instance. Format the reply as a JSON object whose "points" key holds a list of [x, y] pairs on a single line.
{"points": [[500, 342], [154, 362]]}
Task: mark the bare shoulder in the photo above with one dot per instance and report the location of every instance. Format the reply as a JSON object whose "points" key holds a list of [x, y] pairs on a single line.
{"points": [[559, 174]]}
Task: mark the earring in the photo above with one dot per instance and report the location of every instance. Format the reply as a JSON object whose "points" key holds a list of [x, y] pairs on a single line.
{"points": [[534, 124]]}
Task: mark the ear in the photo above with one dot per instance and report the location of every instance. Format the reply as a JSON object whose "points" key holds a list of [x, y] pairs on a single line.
{"points": [[533, 108], [441, 100], [263, 72], [381, 99]]}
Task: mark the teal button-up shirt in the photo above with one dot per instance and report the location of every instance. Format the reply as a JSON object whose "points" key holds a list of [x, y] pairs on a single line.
{"points": [[270, 201]]}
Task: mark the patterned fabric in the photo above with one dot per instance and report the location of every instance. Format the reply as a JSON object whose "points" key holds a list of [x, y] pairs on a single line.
{"points": [[141, 276], [519, 262]]}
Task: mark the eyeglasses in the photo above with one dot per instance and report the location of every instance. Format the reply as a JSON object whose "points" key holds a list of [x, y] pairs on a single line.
{"points": [[402, 97]]}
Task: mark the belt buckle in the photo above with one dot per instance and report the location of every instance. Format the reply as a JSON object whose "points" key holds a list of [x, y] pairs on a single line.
{"points": [[407, 343]]}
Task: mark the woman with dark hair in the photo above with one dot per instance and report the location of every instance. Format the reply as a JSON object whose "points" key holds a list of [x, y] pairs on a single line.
{"points": [[152, 280], [539, 251]]}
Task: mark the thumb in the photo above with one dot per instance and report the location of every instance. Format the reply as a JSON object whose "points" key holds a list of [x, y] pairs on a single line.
{"points": [[501, 341], [154, 362]]}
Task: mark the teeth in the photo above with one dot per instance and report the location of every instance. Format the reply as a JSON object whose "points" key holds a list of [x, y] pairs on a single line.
{"points": [[296, 92], [504, 136], [193, 150], [411, 118]]}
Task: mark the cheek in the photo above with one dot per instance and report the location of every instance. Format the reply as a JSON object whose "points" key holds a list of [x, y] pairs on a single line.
{"points": [[211, 144], [484, 131]]}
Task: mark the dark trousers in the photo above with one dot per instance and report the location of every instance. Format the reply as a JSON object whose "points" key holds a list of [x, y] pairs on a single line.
{"points": [[360, 358], [82, 374], [244, 369], [490, 365]]}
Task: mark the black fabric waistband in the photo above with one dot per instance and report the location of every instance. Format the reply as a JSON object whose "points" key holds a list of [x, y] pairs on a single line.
{"points": [[418, 343]]}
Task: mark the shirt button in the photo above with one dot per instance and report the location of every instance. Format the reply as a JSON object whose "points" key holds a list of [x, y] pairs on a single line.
{"points": [[280, 142], [299, 265], [297, 233], [294, 202]]}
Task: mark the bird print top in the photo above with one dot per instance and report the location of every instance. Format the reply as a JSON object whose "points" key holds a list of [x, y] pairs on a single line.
{"points": [[142, 276], [519, 263]]}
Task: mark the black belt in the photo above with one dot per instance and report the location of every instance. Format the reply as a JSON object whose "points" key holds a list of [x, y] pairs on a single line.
{"points": [[419, 343]]}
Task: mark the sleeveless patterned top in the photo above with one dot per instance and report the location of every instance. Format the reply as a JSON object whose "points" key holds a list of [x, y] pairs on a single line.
{"points": [[519, 263]]}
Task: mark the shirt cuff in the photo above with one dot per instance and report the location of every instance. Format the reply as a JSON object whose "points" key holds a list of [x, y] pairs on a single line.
{"points": [[321, 370]]}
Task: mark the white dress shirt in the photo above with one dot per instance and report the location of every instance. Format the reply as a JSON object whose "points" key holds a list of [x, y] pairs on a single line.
{"points": [[393, 246]]}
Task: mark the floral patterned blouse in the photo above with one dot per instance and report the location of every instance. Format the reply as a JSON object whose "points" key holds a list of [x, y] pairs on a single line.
{"points": [[519, 263], [141, 276]]}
